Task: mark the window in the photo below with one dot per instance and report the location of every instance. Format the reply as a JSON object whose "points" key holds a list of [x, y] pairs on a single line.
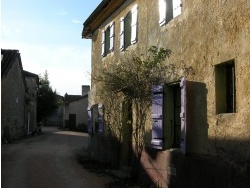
{"points": [[168, 9], [108, 39], [105, 41], [225, 87], [125, 33], [128, 29], [169, 116]]}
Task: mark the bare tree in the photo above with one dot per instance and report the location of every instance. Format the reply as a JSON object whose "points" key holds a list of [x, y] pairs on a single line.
{"points": [[130, 80]]}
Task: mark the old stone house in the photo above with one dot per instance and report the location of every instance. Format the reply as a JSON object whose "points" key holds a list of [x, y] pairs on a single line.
{"points": [[32, 81], [18, 97], [201, 137], [75, 116]]}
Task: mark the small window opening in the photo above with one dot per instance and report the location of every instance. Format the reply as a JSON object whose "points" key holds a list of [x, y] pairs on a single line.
{"points": [[225, 87]]}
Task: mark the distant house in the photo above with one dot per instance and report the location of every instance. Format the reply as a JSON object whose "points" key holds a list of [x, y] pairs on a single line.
{"points": [[75, 110], [18, 97]]}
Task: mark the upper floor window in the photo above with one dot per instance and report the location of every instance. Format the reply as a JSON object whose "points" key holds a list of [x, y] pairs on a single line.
{"points": [[169, 9], [128, 28], [108, 39], [225, 87]]}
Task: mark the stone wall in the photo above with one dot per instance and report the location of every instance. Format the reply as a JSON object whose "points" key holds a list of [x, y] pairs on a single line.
{"points": [[173, 169], [79, 107], [32, 100], [13, 103]]}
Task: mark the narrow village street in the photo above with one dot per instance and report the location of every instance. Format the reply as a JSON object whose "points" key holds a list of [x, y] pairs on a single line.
{"points": [[47, 161]]}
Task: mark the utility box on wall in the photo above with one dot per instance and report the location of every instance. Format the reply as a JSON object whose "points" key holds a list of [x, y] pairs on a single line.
{"points": [[90, 120], [95, 119], [100, 119]]}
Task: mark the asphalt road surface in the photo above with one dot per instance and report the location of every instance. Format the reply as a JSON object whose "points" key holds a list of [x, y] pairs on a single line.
{"points": [[47, 161]]}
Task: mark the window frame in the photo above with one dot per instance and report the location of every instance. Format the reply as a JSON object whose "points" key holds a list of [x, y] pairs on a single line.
{"points": [[108, 35], [168, 9], [164, 115], [128, 36]]}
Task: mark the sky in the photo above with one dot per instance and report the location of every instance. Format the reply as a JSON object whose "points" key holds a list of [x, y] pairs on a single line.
{"points": [[47, 34]]}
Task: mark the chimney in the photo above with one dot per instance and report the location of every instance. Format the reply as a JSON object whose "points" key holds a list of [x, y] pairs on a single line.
{"points": [[85, 89]]}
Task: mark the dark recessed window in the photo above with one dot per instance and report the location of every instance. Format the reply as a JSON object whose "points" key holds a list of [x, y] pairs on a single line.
{"points": [[108, 39], [105, 41], [225, 87], [128, 29]]}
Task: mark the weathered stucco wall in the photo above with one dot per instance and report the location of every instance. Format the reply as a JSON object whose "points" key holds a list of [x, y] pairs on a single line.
{"points": [[13, 102], [206, 34], [65, 115], [79, 108]]}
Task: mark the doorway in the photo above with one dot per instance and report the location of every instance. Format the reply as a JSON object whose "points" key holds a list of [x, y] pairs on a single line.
{"points": [[172, 115], [177, 119], [72, 121]]}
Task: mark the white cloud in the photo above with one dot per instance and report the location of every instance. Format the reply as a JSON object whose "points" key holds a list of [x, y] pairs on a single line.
{"points": [[10, 31], [18, 31], [65, 77], [76, 21], [62, 12], [5, 31]]}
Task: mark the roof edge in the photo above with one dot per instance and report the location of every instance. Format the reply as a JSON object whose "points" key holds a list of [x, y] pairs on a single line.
{"points": [[99, 15], [30, 74]]}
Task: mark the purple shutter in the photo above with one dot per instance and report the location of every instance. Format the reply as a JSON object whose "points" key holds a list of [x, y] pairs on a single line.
{"points": [[183, 115], [100, 118], [90, 120], [157, 117]]}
